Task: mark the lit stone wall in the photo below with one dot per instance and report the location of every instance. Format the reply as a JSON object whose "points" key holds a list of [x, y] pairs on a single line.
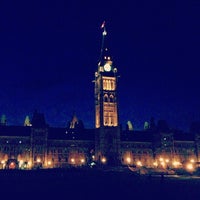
{"points": [[64, 153], [136, 153], [60, 153], [14, 148]]}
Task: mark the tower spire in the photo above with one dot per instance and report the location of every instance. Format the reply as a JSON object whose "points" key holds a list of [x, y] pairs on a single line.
{"points": [[106, 108], [103, 48]]}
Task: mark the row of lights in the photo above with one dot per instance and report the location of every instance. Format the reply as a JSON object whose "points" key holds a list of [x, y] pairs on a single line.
{"points": [[19, 141], [164, 162], [21, 162], [138, 163], [175, 163], [74, 161]]}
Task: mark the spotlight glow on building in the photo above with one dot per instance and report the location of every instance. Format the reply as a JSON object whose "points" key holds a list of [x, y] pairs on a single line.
{"points": [[128, 160], [103, 160], [139, 163], [190, 167]]}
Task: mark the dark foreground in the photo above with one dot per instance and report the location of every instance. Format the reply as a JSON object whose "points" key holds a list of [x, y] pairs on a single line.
{"points": [[94, 184]]}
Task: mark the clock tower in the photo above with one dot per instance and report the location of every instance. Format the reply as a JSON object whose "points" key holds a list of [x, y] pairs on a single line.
{"points": [[106, 108]]}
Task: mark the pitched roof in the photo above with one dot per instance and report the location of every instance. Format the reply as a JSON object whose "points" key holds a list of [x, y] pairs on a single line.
{"points": [[15, 131], [63, 134], [184, 136], [137, 136]]}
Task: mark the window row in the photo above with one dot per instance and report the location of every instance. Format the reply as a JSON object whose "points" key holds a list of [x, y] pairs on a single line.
{"points": [[109, 98], [109, 84]]}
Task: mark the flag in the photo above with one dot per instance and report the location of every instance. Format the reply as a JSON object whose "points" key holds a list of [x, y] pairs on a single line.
{"points": [[103, 24]]}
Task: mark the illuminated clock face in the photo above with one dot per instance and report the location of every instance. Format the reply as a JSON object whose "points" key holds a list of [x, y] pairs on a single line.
{"points": [[107, 67]]}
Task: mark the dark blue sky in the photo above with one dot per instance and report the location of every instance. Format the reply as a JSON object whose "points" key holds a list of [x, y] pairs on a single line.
{"points": [[49, 52]]}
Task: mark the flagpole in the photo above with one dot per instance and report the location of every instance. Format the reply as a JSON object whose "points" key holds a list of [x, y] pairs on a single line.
{"points": [[104, 33]]}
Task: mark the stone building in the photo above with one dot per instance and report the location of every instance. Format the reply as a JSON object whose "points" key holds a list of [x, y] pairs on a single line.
{"points": [[37, 145]]}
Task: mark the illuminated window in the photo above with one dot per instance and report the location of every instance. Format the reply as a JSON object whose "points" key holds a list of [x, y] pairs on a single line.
{"points": [[109, 85], [112, 85], [104, 84]]}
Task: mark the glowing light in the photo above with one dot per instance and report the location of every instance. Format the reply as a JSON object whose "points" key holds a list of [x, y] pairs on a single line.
{"points": [[12, 164], [190, 167], [3, 162], [38, 160], [49, 162], [92, 164], [192, 160], [72, 160], [139, 163], [176, 164], [29, 163], [155, 164], [93, 157], [167, 160], [21, 163], [103, 160], [82, 160], [162, 164], [104, 33], [161, 159], [128, 159]]}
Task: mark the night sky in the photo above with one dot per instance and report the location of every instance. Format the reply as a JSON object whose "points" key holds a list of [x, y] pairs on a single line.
{"points": [[49, 52]]}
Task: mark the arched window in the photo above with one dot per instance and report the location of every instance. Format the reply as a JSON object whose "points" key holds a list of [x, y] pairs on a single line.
{"points": [[109, 85], [105, 98], [112, 85], [104, 84], [106, 122], [111, 98]]}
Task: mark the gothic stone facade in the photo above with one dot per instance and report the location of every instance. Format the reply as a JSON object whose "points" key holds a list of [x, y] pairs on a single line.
{"points": [[40, 146]]}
